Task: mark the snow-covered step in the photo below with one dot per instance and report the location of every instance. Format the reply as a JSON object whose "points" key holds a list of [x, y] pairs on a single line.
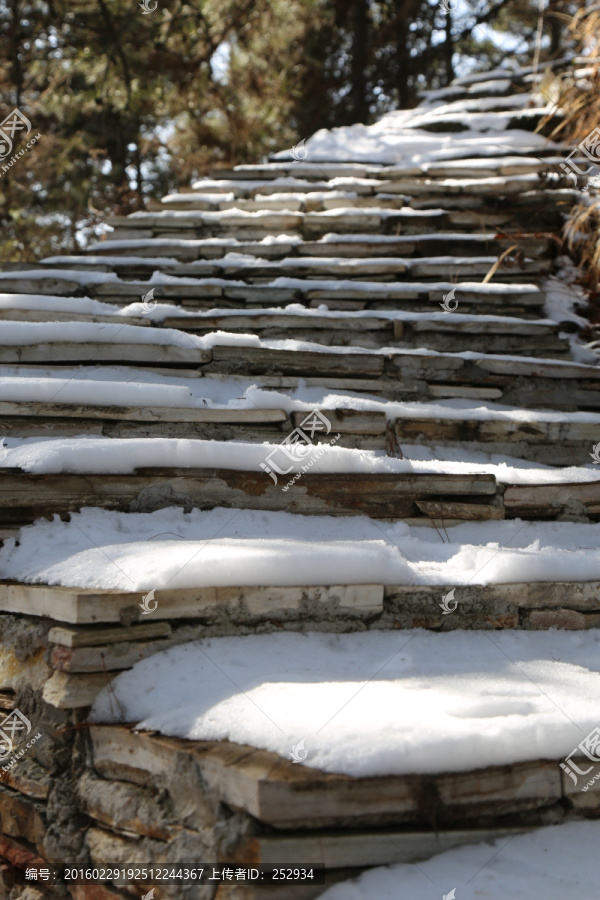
{"points": [[358, 246], [230, 571], [500, 298], [484, 167], [475, 771], [495, 186], [529, 382], [68, 417], [315, 201], [292, 168], [388, 194], [432, 330], [561, 440], [89, 631], [26, 495], [310, 478], [354, 245], [346, 220], [247, 188], [383, 812], [256, 271], [89, 342], [130, 403], [301, 177], [554, 439], [422, 374]]}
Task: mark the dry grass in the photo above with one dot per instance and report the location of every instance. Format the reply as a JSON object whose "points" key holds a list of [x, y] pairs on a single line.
{"points": [[579, 98]]}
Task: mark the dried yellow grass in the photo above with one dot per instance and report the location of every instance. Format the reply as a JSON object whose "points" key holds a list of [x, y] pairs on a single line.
{"points": [[579, 99]]}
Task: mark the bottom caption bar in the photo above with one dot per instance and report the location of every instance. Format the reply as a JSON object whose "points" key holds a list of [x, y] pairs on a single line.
{"points": [[182, 873]]}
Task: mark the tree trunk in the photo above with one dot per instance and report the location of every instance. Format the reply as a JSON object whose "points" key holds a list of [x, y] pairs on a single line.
{"points": [[449, 50], [358, 76]]}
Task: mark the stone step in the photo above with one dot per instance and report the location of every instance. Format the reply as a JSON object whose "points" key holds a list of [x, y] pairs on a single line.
{"points": [[286, 796], [529, 383], [303, 180], [453, 335], [541, 215], [497, 298], [386, 194], [256, 271], [353, 246], [562, 443], [534, 383], [25, 496], [40, 315], [84, 643], [399, 496], [553, 441], [340, 823], [357, 429]]}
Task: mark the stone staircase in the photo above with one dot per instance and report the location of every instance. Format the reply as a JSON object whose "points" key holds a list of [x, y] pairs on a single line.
{"points": [[288, 283]]}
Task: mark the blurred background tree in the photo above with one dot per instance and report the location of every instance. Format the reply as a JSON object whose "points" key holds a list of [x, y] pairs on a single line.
{"points": [[133, 105]]}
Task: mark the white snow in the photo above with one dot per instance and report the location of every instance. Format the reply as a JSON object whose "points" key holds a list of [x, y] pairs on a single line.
{"points": [[91, 260], [548, 864], [344, 286], [396, 138], [16, 334], [205, 197], [246, 393], [55, 303], [88, 276], [374, 703], [174, 243], [27, 333], [93, 392], [104, 549], [162, 311], [270, 216], [297, 309], [85, 277], [102, 455]]}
